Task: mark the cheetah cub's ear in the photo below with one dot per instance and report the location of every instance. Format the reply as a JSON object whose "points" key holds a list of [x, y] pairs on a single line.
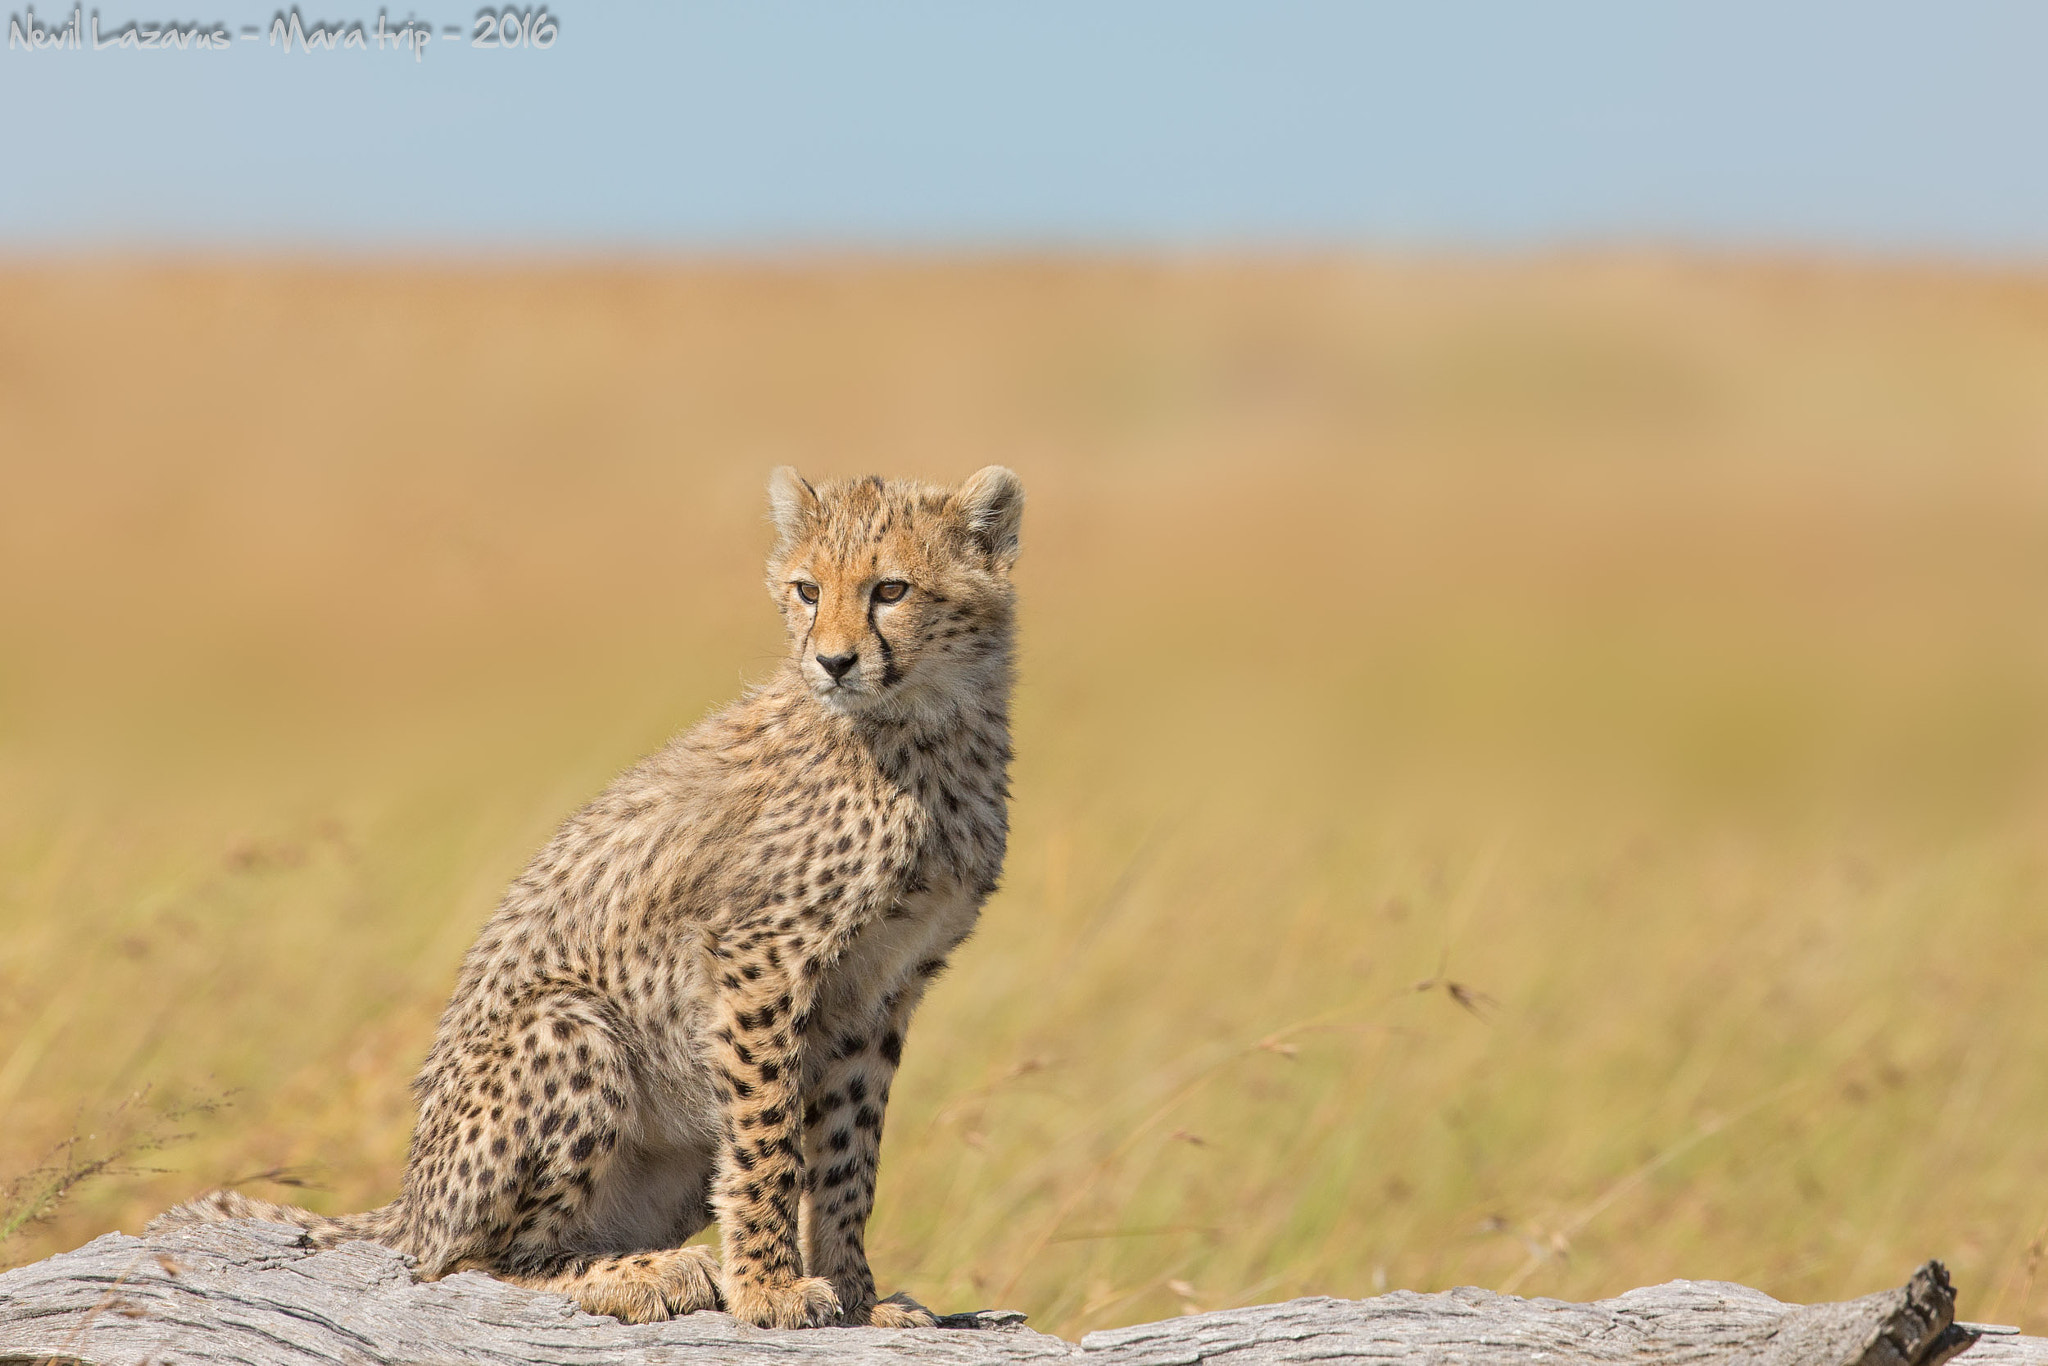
{"points": [[992, 502], [792, 503]]}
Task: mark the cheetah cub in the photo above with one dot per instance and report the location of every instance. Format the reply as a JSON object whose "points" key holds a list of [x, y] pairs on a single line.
{"points": [[691, 1004]]}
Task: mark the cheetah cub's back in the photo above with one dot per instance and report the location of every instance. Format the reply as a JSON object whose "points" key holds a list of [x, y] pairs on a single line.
{"points": [[691, 1004]]}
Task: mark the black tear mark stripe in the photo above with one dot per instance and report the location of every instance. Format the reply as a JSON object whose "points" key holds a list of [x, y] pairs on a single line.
{"points": [[889, 671]]}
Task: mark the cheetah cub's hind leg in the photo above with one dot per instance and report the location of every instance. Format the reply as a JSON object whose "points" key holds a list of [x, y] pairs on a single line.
{"points": [[642, 1287], [514, 1142]]}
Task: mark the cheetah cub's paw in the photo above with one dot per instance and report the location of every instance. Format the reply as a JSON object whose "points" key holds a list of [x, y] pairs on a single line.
{"points": [[646, 1287], [807, 1302], [901, 1311]]}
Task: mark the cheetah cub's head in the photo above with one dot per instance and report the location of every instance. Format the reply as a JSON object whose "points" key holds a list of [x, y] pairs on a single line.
{"points": [[896, 594]]}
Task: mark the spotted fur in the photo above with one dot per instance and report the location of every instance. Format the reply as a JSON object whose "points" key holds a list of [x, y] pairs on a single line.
{"points": [[691, 1004]]}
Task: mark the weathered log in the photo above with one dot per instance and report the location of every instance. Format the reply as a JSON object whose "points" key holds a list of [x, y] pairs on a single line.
{"points": [[251, 1293]]}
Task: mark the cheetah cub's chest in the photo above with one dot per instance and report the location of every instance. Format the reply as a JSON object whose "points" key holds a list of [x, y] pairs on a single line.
{"points": [[896, 952]]}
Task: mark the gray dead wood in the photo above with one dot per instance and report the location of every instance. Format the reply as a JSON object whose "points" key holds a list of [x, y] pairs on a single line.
{"points": [[250, 1293]]}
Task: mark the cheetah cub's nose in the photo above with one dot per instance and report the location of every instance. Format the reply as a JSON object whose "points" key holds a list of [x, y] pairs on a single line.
{"points": [[837, 665]]}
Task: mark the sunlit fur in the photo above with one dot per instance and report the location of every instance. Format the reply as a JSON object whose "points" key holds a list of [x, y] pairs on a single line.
{"points": [[692, 1003]]}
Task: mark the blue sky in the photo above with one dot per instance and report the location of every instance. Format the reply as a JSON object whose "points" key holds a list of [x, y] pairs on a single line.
{"points": [[779, 124]]}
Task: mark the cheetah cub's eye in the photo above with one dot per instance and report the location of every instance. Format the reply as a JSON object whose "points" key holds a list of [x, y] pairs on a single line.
{"points": [[808, 592], [891, 590]]}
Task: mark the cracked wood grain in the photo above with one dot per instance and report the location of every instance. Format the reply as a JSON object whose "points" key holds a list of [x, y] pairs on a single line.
{"points": [[249, 1293]]}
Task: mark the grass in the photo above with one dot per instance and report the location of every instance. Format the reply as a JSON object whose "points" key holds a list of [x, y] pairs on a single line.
{"points": [[1531, 773]]}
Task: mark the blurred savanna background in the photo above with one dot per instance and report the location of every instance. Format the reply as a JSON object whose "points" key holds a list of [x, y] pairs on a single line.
{"points": [[1532, 758], [1530, 773]]}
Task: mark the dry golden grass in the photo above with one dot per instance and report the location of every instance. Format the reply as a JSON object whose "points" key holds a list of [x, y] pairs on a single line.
{"points": [[1531, 773]]}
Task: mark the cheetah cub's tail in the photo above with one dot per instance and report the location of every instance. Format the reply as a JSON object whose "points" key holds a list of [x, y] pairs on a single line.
{"points": [[322, 1230]]}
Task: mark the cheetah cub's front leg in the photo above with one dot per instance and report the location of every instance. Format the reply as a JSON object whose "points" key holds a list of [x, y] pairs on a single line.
{"points": [[842, 1151], [758, 1047]]}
